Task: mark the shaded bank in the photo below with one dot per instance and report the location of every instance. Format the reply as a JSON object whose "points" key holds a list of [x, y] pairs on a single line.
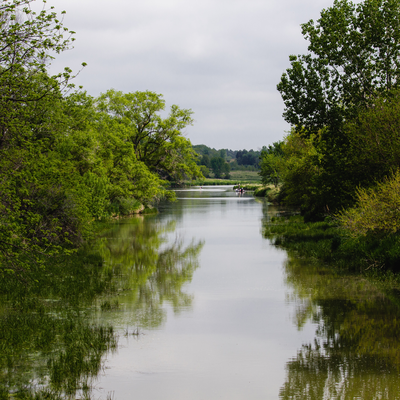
{"points": [[355, 311], [330, 243]]}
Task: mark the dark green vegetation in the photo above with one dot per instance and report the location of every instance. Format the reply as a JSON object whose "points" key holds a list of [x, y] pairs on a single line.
{"points": [[66, 158], [342, 99], [329, 242], [51, 343]]}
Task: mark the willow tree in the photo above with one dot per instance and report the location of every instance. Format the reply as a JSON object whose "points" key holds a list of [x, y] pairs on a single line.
{"points": [[158, 142]]}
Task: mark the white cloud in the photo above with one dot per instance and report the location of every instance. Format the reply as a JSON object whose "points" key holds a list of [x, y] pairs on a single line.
{"points": [[221, 58]]}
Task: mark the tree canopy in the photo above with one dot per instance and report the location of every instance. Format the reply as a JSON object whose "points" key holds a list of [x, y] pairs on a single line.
{"points": [[354, 57], [157, 142], [341, 99], [66, 158]]}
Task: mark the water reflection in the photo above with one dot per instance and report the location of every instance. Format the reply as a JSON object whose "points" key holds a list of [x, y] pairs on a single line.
{"points": [[54, 334], [48, 353], [356, 352], [150, 266]]}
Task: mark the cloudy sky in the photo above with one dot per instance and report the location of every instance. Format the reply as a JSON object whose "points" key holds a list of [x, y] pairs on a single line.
{"points": [[220, 58]]}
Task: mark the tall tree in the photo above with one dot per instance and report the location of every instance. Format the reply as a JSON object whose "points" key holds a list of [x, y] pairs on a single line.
{"points": [[158, 142], [37, 192], [354, 56], [270, 161]]}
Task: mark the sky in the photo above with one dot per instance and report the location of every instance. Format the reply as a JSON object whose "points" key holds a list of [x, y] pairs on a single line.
{"points": [[220, 58]]}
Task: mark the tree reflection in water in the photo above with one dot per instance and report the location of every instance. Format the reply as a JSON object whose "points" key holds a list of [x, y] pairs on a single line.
{"points": [[356, 353], [150, 267], [52, 343]]}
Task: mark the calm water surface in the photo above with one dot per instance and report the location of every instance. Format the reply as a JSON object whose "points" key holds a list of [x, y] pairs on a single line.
{"points": [[232, 337], [199, 305]]}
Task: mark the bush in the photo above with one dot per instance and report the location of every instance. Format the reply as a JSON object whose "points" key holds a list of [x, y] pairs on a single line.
{"points": [[261, 191], [377, 210], [124, 206]]}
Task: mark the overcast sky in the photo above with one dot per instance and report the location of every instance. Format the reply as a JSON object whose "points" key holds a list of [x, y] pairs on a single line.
{"points": [[220, 58]]}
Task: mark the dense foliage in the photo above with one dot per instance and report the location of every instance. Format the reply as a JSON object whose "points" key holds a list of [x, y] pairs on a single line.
{"points": [[269, 163], [342, 99], [66, 158], [353, 58]]}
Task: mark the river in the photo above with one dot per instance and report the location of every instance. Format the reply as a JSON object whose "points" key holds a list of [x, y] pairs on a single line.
{"points": [[202, 306]]}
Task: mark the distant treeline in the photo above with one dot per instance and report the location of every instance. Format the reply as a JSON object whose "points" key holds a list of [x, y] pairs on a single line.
{"points": [[222, 161]]}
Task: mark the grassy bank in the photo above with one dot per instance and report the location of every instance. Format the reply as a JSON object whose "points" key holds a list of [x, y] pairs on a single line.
{"points": [[209, 182], [270, 192], [328, 243], [236, 177], [246, 176]]}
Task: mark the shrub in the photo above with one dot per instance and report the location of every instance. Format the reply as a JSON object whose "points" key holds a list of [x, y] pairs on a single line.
{"points": [[377, 210]]}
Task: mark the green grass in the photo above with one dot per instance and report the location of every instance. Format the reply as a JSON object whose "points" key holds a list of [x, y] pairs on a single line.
{"points": [[245, 176], [242, 177], [209, 182]]}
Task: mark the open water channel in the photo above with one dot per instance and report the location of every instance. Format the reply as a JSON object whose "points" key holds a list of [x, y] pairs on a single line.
{"points": [[202, 306]]}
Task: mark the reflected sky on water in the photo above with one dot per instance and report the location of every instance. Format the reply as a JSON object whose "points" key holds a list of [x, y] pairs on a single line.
{"points": [[234, 340], [194, 303]]}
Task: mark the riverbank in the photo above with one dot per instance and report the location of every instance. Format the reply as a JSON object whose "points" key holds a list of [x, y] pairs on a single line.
{"points": [[122, 315], [236, 177], [327, 242]]}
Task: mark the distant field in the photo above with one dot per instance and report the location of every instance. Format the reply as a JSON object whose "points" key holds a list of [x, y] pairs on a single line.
{"points": [[242, 177], [248, 176]]}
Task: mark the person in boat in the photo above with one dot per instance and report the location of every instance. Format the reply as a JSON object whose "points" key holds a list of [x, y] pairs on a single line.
{"points": [[239, 190]]}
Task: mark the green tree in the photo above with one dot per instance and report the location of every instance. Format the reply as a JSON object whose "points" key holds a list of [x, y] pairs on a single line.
{"points": [[205, 171], [247, 158], [217, 165], [205, 160], [299, 170], [367, 151], [158, 142], [39, 196], [28, 41], [270, 160], [352, 67], [353, 57], [226, 170], [128, 176], [374, 140]]}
